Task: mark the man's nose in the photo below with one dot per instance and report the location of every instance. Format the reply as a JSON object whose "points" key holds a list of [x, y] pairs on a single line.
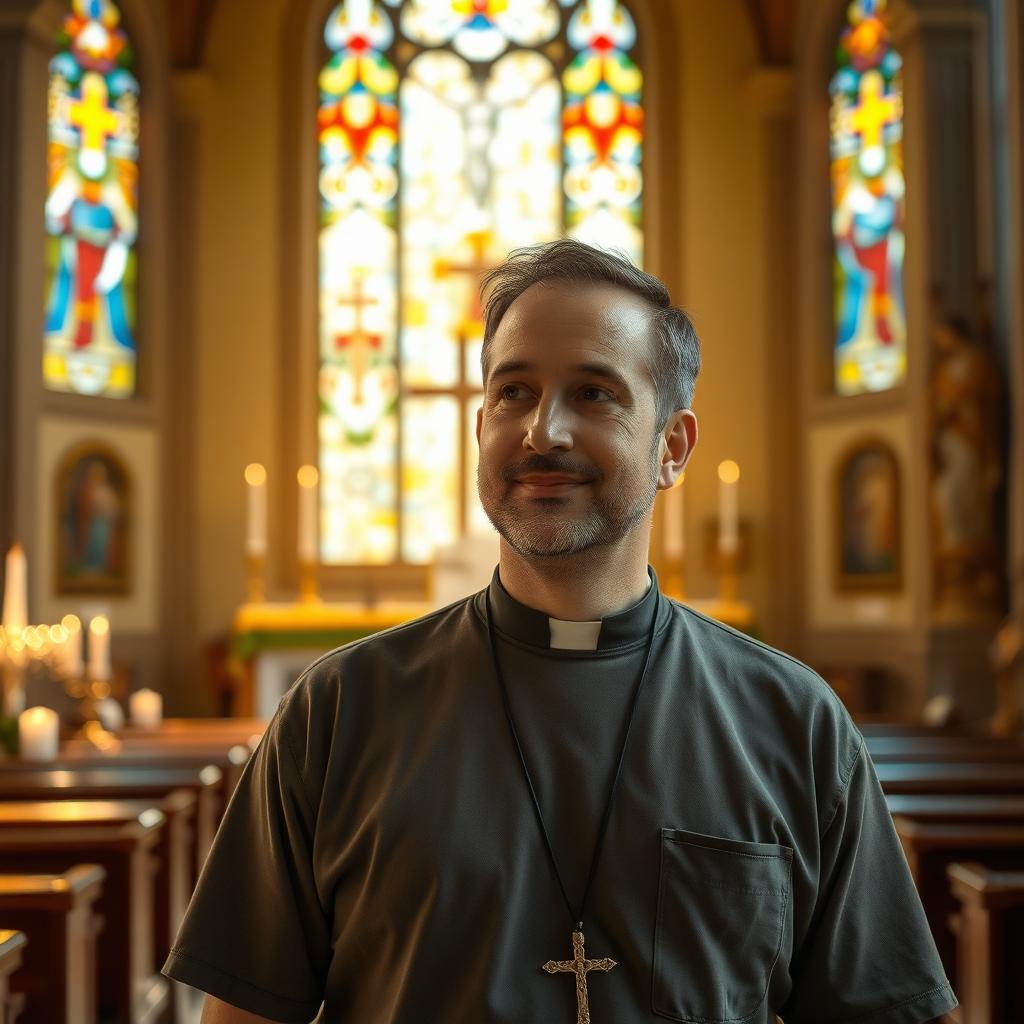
{"points": [[549, 427]]}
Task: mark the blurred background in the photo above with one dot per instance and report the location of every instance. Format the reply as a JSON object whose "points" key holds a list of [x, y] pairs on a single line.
{"points": [[240, 329]]}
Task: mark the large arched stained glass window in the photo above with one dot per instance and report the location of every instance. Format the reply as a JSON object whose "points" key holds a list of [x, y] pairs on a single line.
{"points": [[91, 206], [867, 205], [451, 131]]}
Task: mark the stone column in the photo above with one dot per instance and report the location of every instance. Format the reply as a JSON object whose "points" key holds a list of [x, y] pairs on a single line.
{"points": [[27, 31], [772, 91]]}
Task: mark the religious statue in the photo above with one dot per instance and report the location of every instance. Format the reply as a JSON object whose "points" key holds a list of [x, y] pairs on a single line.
{"points": [[967, 467]]}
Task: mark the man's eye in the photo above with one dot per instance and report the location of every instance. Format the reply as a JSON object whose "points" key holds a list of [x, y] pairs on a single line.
{"points": [[503, 391], [591, 388]]}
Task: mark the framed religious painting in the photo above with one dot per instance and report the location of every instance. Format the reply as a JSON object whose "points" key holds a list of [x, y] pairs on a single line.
{"points": [[94, 519], [868, 518]]}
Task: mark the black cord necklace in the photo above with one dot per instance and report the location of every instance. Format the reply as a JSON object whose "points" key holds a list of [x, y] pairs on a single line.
{"points": [[579, 965]]}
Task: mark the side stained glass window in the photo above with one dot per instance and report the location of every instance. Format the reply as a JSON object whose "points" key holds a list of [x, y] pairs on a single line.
{"points": [[91, 209], [868, 204], [450, 132]]}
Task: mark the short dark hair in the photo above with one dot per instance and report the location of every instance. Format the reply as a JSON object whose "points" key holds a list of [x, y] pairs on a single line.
{"points": [[677, 357]]}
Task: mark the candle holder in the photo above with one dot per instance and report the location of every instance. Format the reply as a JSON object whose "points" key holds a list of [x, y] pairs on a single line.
{"points": [[88, 693], [255, 572], [308, 588], [728, 576]]}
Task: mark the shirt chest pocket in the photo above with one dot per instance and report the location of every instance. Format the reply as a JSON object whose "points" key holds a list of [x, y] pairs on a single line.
{"points": [[722, 906]]}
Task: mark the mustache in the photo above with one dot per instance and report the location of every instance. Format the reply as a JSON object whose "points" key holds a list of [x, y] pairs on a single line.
{"points": [[547, 464]]}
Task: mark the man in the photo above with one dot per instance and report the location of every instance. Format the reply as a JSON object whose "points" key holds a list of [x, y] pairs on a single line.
{"points": [[566, 797]]}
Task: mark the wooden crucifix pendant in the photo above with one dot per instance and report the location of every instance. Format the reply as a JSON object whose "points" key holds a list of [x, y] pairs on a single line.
{"points": [[579, 965]]}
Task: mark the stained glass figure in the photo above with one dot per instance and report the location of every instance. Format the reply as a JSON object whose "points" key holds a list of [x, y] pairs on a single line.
{"points": [[91, 211], [868, 204], [451, 132]]}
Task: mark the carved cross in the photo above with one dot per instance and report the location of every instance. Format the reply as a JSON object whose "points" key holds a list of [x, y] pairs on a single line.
{"points": [[580, 966]]}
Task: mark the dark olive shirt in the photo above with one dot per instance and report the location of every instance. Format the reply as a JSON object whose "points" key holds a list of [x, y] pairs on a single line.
{"points": [[381, 854]]}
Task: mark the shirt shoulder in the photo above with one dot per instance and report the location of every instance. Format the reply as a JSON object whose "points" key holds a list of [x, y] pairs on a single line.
{"points": [[800, 719]]}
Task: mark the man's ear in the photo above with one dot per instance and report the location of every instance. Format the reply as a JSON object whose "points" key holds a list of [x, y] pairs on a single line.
{"points": [[479, 423], [678, 440]]}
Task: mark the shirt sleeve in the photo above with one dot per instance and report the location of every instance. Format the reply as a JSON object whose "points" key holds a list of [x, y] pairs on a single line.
{"points": [[255, 933], [868, 956]]}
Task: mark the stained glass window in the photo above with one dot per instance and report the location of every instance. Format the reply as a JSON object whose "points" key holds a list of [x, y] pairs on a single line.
{"points": [[91, 206], [450, 132], [867, 204]]}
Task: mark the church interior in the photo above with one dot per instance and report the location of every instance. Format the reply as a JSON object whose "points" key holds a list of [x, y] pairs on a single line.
{"points": [[240, 335]]}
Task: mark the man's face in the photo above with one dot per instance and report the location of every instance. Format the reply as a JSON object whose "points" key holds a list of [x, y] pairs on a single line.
{"points": [[569, 446]]}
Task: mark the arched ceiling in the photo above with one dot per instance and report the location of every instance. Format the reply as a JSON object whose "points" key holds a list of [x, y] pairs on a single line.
{"points": [[773, 22]]}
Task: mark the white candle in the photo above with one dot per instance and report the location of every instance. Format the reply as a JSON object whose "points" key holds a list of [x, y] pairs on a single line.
{"points": [[38, 734], [146, 708], [15, 613], [256, 533], [99, 648], [728, 506], [73, 646], [674, 521], [308, 500]]}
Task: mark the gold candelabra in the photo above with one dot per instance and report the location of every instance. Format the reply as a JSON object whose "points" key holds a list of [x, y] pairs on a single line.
{"points": [[24, 649]]}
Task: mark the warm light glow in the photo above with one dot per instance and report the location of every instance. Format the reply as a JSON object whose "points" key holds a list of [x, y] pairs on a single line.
{"points": [[308, 476], [728, 471], [71, 623], [255, 475], [37, 715], [99, 625]]}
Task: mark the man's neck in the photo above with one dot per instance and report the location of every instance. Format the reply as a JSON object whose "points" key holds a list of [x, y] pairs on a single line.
{"points": [[573, 588]]}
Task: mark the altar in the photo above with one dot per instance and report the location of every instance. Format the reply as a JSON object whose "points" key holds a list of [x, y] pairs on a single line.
{"points": [[271, 643]]}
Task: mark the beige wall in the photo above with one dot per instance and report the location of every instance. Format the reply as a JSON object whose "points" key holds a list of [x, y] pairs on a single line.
{"points": [[237, 347]]}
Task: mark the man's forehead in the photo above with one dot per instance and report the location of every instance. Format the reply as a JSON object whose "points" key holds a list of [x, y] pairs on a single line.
{"points": [[599, 315]]}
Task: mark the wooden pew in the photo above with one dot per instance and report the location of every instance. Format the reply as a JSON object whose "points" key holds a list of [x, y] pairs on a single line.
{"points": [[943, 749], [173, 879], [12, 948], [57, 981], [930, 846], [244, 731], [231, 759], [870, 726], [122, 837], [114, 781], [957, 807], [951, 777], [990, 938]]}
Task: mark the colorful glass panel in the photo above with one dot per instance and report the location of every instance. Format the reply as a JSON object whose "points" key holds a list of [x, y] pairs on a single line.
{"points": [[451, 132], [91, 211], [603, 127], [358, 136], [868, 205], [480, 30]]}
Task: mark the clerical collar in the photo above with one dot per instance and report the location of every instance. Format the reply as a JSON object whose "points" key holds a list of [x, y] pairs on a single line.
{"points": [[538, 629]]}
